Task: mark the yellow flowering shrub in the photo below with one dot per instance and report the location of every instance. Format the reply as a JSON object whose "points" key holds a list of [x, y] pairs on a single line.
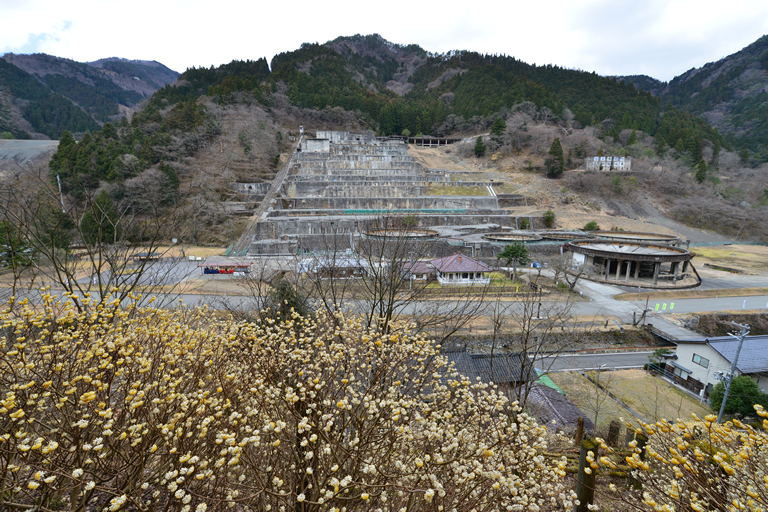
{"points": [[700, 465], [146, 409]]}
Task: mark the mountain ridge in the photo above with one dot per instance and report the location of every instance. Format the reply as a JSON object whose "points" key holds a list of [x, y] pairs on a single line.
{"points": [[730, 93], [45, 94]]}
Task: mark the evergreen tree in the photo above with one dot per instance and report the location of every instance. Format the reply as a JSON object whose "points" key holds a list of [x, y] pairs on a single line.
{"points": [[555, 164], [590, 226], [632, 138], [744, 394], [680, 146], [514, 254], [715, 154], [479, 147], [744, 156], [498, 127], [701, 171], [693, 146], [549, 218]]}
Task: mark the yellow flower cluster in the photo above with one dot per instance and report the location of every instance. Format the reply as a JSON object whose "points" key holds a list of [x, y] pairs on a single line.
{"points": [[151, 409], [699, 465]]}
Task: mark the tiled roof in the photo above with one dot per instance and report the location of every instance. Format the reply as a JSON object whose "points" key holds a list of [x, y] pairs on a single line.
{"points": [[459, 263], [420, 267], [753, 357], [506, 367]]}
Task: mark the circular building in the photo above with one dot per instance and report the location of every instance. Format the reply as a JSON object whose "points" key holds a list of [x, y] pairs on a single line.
{"points": [[512, 236], [401, 233], [636, 236], [564, 236], [647, 265]]}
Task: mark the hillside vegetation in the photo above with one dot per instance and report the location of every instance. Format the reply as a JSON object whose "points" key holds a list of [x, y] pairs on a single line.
{"points": [[43, 95], [219, 125], [731, 94]]}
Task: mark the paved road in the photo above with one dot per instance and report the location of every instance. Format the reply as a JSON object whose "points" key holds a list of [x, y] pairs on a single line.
{"points": [[613, 361]]}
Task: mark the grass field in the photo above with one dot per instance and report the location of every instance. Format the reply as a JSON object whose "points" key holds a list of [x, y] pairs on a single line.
{"points": [[457, 191], [652, 397], [598, 407], [746, 257]]}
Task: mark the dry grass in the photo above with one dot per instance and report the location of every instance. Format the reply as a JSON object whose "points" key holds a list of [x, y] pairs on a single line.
{"points": [[743, 257], [652, 397], [457, 191], [507, 188], [583, 394]]}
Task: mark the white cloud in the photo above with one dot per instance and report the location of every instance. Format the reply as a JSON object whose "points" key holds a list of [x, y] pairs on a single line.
{"points": [[661, 38]]}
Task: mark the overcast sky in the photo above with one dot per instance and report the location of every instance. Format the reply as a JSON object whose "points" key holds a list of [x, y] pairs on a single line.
{"points": [[660, 38]]}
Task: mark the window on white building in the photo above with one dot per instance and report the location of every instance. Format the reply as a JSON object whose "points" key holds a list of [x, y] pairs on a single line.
{"points": [[701, 361]]}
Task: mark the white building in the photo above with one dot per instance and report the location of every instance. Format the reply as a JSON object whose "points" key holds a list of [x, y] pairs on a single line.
{"points": [[701, 359], [460, 270], [608, 163]]}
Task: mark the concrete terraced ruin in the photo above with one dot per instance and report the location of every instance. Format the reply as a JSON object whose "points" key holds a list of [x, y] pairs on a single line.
{"points": [[340, 188], [340, 185]]}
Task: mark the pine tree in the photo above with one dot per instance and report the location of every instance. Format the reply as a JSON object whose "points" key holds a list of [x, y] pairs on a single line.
{"points": [[744, 155], [632, 138], [701, 171], [498, 127], [680, 146], [479, 147], [556, 165]]}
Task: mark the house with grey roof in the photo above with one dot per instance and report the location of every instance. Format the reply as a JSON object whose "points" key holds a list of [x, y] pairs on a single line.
{"points": [[504, 369], [705, 359], [549, 406], [421, 270], [460, 270]]}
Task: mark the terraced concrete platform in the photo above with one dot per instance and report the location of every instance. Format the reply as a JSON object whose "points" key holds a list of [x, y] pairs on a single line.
{"points": [[342, 184]]}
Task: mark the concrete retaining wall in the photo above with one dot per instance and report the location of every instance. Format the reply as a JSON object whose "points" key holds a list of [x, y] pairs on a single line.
{"points": [[359, 179], [276, 228], [510, 200], [390, 203], [347, 190], [251, 188]]}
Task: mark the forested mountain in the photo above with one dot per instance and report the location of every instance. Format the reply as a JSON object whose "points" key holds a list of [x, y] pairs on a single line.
{"points": [[731, 94], [50, 95], [404, 89]]}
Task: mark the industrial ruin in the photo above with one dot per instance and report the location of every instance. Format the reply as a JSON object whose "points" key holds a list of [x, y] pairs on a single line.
{"points": [[608, 163], [340, 186], [632, 261]]}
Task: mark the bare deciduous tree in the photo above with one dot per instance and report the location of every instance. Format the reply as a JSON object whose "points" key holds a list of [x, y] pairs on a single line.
{"points": [[104, 244]]}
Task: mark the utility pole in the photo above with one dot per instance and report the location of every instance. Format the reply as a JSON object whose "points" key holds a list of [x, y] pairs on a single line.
{"points": [[729, 377]]}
